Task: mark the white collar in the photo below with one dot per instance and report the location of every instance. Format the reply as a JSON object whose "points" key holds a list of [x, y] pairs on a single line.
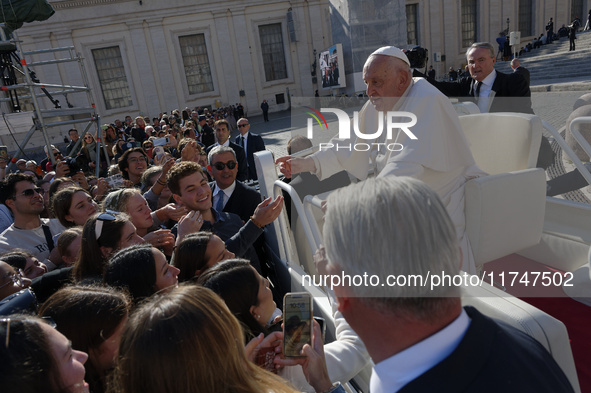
{"points": [[391, 374], [226, 143], [228, 191], [490, 79], [245, 136]]}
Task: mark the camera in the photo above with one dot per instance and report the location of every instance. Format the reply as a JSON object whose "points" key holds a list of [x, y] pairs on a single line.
{"points": [[73, 165], [417, 56]]}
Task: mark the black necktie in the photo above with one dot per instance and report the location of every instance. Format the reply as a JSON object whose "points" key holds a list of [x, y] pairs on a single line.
{"points": [[242, 141], [477, 91]]}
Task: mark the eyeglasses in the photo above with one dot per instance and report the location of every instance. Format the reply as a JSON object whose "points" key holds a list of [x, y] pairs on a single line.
{"points": [[135, 160], [30, 192], [243, 125], [16, 278], [220, 165], [109, 215], [148, 146], [88, 137]]}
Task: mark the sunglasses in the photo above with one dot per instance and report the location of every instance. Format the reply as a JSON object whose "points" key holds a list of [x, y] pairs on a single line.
{"points": [[16, 278], [220, 165], [109, 215], [8, 321], [30, 192], [148, 146], [243, 125]]}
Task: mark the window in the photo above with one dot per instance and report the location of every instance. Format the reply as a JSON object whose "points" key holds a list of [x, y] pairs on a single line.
{"points": [[111, 74], [525, 17], [469, 18], [412, 37], [196, 63], [272, 50], [280, 98]]}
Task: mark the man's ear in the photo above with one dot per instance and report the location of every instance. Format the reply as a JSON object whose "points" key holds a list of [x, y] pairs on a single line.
{"points": [[10, 203], [177, 199], [343, 300]]}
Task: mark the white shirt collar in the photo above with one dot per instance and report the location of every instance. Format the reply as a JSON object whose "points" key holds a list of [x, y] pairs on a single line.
{"points": [[245, 136], [488, 81], [228, 191], [226, 143], [391, 374]]}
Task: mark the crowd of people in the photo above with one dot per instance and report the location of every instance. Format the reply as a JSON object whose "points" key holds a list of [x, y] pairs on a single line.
{"points": [[156, 280], [83, 253]]}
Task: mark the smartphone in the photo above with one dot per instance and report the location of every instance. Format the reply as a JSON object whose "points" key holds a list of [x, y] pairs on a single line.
{"points": [[158, 152], [4, 152], [162, 141], [297, 323], [115, 181]]}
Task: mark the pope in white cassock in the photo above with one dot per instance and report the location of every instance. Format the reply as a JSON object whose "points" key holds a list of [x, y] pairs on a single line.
{"points": [[440, 155]]}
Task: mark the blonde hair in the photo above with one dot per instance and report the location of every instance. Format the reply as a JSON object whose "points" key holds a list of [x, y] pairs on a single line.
{"points": [[118, 200], [188, 327]]}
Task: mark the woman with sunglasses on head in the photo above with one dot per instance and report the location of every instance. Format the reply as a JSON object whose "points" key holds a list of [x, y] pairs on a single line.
{"points": [[102, 235], [131, 201], [142, 271], [72, 206], [92, 318], [37, 358]]}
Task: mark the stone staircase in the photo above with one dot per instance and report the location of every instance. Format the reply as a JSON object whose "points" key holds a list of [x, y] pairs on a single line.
{"points": [[554, 61]]}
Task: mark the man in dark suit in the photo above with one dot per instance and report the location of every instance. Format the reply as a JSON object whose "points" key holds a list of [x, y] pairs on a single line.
{"points": [[265, 109], [207, 134], [222, 135], [519, 69], [491, 90], [231, 196], [420, 338], [431, 72], [251, 143], [236, 197]]}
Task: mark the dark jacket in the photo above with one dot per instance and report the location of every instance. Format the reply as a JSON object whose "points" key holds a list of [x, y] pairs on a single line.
{"points": [[512, 93], [254, 143]]}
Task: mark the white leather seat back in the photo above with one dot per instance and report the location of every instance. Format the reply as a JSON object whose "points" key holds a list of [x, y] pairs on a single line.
{"points": [[503, 142], [504, 213]]}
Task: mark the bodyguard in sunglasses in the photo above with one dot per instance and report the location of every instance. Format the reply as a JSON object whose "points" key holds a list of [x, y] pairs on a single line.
{"points": [[29, 231], [228, 194]]}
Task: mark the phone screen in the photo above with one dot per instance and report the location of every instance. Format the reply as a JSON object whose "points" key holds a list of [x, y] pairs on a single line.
{"points": [[297, 323]]}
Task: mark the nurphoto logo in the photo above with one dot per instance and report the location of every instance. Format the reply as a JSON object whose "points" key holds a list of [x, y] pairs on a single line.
{"points": [[394, 120]]}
